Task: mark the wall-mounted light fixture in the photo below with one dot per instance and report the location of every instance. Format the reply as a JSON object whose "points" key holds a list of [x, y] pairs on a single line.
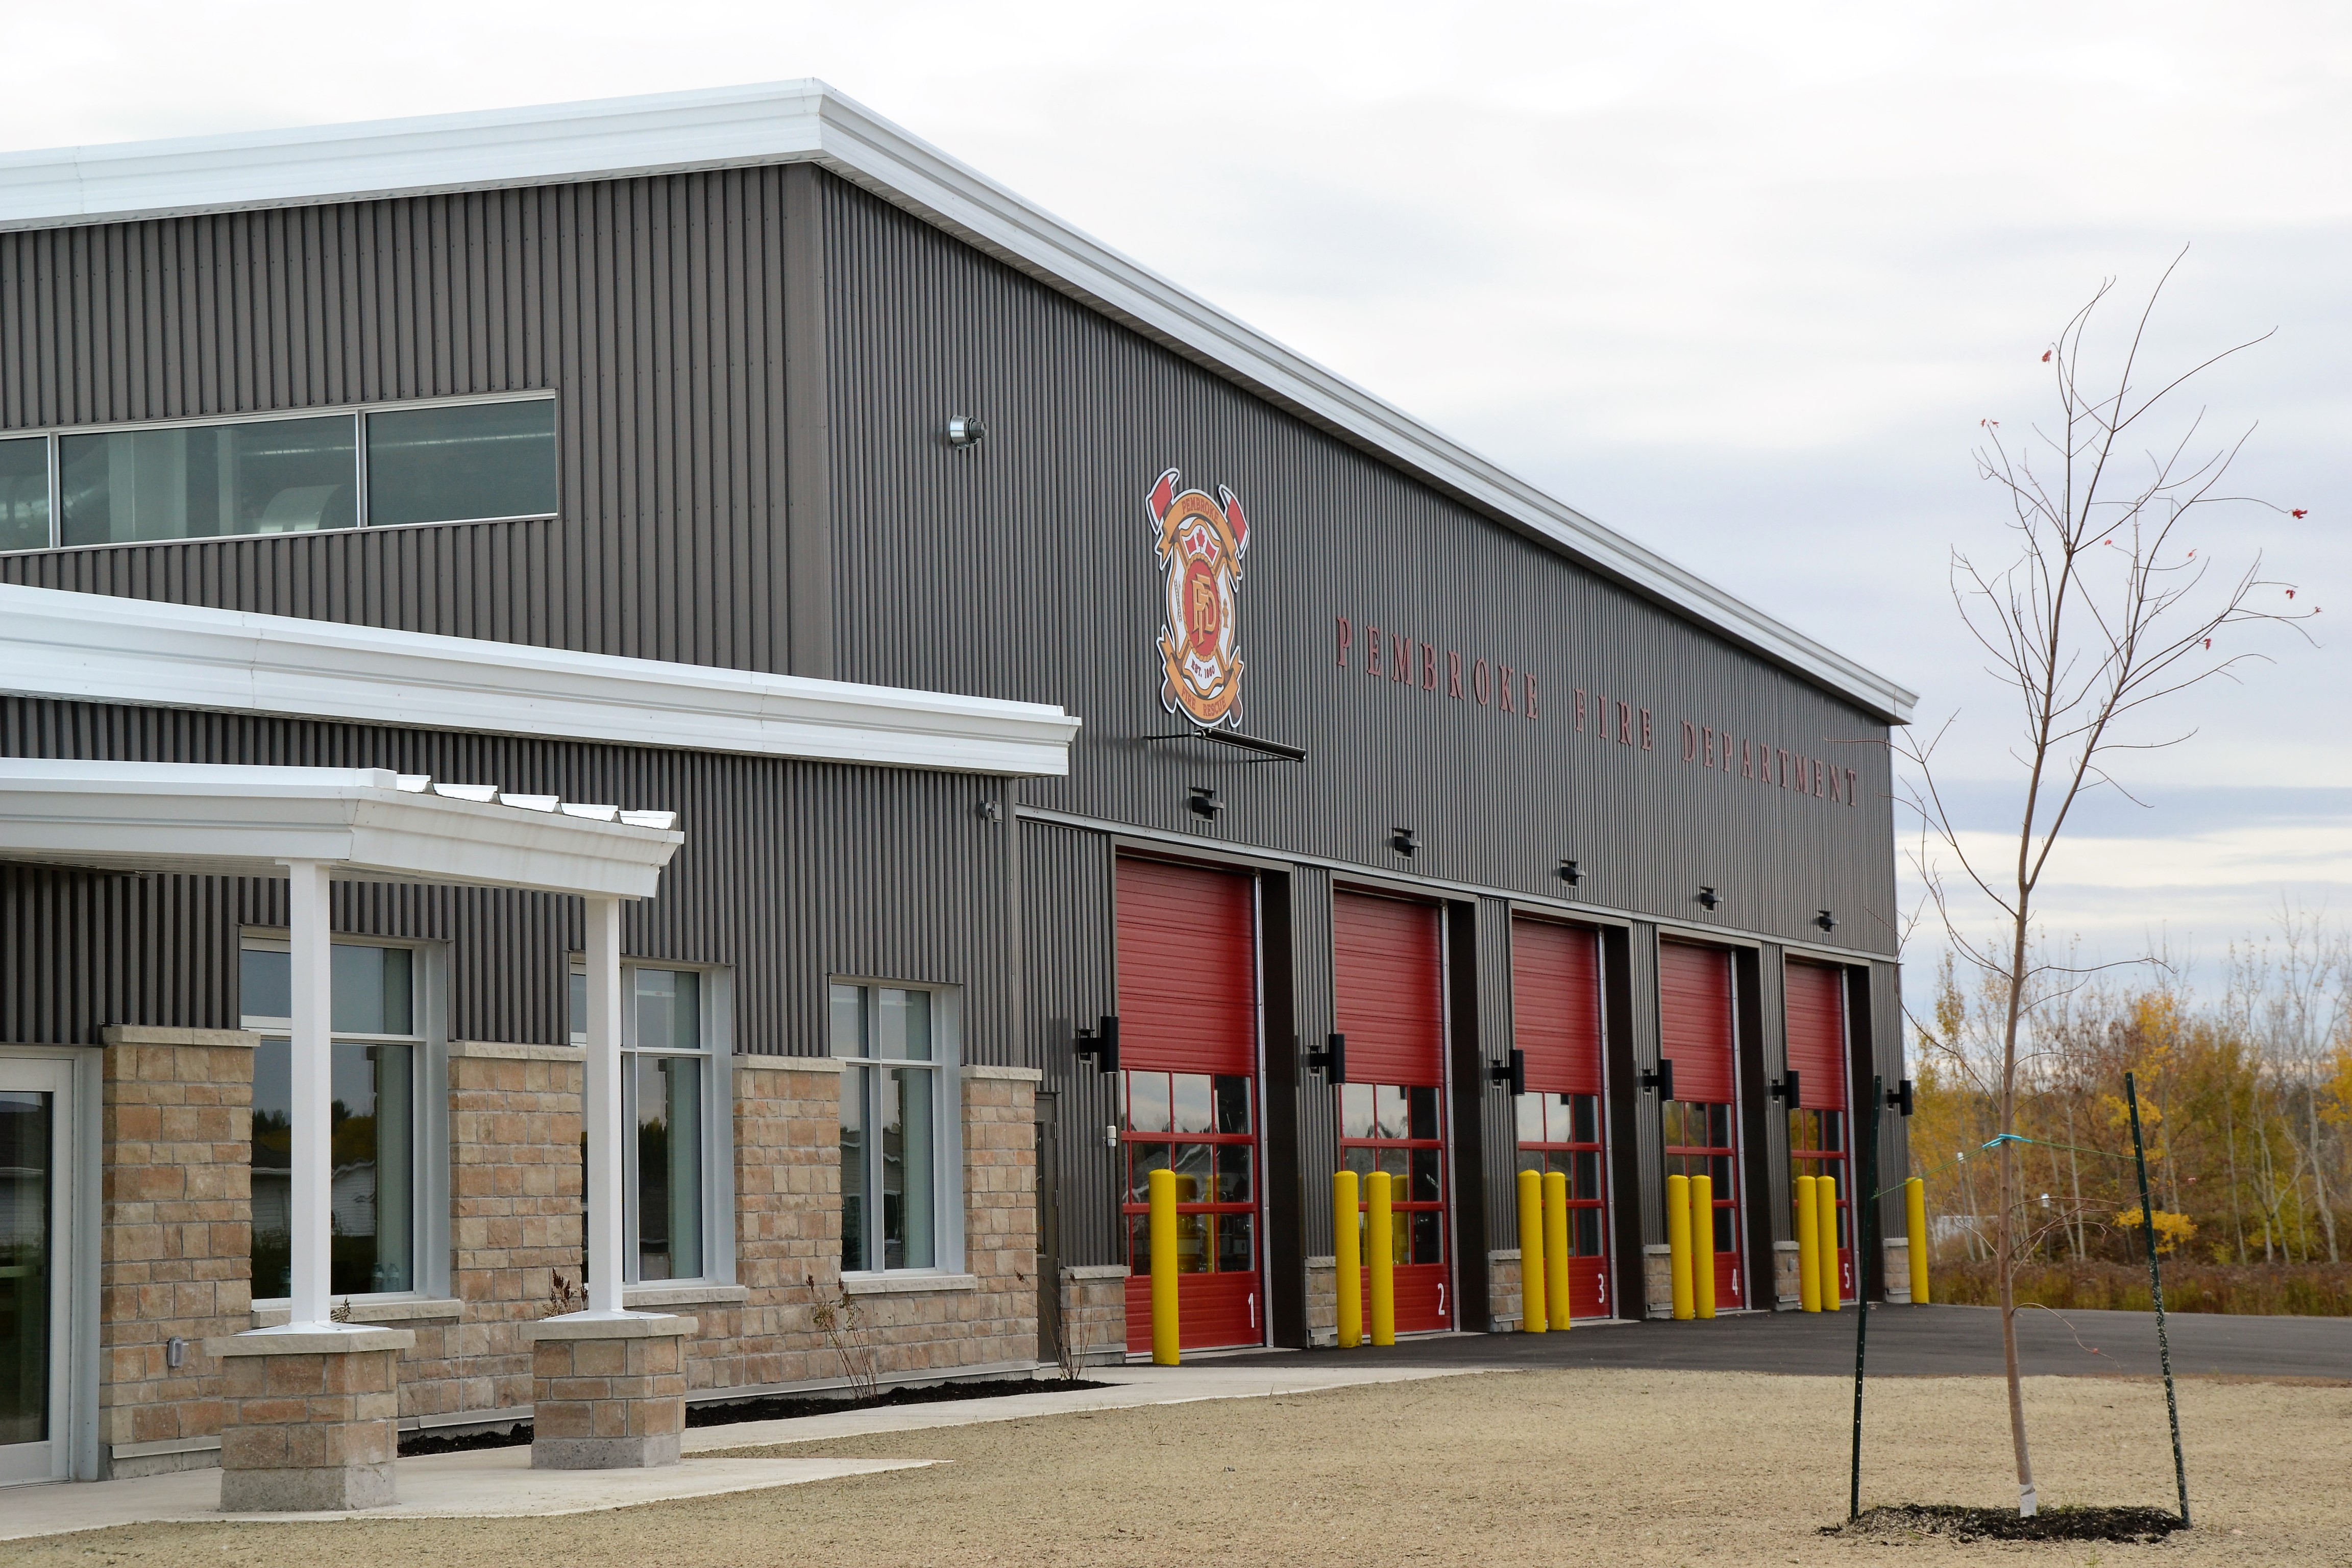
{"points": [[963, 430], [1101, 1043], [1660, 1078], [175, 1352], [1826, 920], [1404, 841], [1204, 802], [1708, 898], [1786, 1089], [990, 812], [1512, 1069], [1570, 872], [1331, 1061], [1899, 1097]]}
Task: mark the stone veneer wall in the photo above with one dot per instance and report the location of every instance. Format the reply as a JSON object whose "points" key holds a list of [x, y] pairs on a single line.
{"points": [[1323, 1300], [788, 1241], [515, 1221], [177, 1239]]}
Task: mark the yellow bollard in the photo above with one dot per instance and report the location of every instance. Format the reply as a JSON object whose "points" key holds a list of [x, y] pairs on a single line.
{"points": [[1383, 1228], [1678, 1242], [1832, 1289], [1164, 1352], [1702, 1200], [1556, 1248], [1348, 1254], [1915, 1223], [1533, 1319], [1808, 1246]]}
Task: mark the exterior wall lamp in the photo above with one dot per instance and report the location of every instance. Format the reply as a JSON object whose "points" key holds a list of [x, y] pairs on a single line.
{"points": [[1101, 1043], [1786, 1089], [1826, 920], [1898, 1098], [1404, 841], [1512, 1071], [1708, 898], [1331, 1061], [1660, 1078], [1570, 872], [1204, 802], [963, 430]]}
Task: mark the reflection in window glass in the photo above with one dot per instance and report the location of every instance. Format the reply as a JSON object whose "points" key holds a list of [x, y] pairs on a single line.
{"points": [[889, 1126], [24, 495], [670, 1009], [1193, 1102], [198, 481], [27, 1255], [463, 460], [371, 1159], [667, 1095]]}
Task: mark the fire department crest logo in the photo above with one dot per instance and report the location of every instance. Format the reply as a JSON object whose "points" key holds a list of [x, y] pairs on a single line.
{"points": [[1201, 541]]}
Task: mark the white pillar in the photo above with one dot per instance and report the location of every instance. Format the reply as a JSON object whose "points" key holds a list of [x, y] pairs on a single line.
{"points": [[311, 1184], [600, 1105]]}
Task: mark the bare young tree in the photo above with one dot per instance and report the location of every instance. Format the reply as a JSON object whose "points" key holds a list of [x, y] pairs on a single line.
{"points": [[2105, 609]]}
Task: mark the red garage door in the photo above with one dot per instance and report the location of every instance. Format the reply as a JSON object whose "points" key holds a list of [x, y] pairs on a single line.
{"points": [[1696, 1034], [1818, 1141], [1187, 1093], [1556, 1020], [1387, 960]]}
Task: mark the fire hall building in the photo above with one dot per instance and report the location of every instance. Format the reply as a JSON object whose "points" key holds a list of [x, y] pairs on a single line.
{"points": [[967, 722]]}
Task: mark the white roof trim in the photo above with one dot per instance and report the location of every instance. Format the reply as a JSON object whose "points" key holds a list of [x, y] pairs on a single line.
{"points": [[96, 647], [216, 820], [808, 122]]}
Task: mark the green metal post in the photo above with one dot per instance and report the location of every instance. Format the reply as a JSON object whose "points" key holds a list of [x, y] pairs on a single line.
{"points": [[2156, 1287]]}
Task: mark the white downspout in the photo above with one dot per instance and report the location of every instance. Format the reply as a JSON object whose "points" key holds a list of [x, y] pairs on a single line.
{"points": [[310, 1060]]}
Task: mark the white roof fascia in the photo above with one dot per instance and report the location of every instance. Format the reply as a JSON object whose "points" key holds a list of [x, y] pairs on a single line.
{"points": [[207, 820], [96, 647], [809, 122]]}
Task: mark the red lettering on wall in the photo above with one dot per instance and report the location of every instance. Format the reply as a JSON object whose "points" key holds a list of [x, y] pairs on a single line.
{"points": [[1347, 635], [1690, 740], [1371, 648], [1746, 757], [1835, 796], [1624, 724], [1786, 758], [1531, 694], [1428, 667], [1453, 673], [1649, 739], [1481, 683], [1503, 684], [1817, 791], [1401, 659], [1852, 778], [1708, 744], [1580, 710]]}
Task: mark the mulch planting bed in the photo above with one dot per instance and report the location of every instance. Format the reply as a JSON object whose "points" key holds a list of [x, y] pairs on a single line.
{"points": [[1914, 1520]]}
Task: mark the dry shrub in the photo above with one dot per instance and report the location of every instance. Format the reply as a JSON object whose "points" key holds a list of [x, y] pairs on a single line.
{"points": [[2285, 1289]]}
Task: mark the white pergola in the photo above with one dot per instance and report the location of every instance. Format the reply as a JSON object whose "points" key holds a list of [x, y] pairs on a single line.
{"points": [[316, 826]]}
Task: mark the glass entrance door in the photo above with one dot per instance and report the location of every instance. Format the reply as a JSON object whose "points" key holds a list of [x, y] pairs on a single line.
{"points": [[34, 1190]]}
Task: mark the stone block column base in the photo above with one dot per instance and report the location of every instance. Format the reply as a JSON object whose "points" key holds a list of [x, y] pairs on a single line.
{"points": [[1507, 1305], [608, 1391], [309, 1418], [1898, 1270], [1786, 1295], [1094, 1313], [1658, 1281]]}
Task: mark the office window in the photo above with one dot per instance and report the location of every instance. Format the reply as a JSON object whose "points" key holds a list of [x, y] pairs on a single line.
{"points": [[896, 1144], [377, 1057], [25, 494], [669, 1033], [432, 462], [195, 481], [451, 462]]}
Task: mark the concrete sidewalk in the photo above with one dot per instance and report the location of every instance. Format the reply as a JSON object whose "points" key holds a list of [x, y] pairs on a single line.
{"points": [[499, 1483]]}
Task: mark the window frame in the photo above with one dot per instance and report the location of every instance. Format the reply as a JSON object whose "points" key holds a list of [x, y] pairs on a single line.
{"points": [[356, 412], [947, 1125], [717, 1053], [430, 1071]]}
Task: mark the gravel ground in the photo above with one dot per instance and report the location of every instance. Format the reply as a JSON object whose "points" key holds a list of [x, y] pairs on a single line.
{"points": [[1613, 1466]]}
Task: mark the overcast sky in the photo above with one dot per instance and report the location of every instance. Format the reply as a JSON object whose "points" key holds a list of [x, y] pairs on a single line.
{"points": [[1737, 281]]}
